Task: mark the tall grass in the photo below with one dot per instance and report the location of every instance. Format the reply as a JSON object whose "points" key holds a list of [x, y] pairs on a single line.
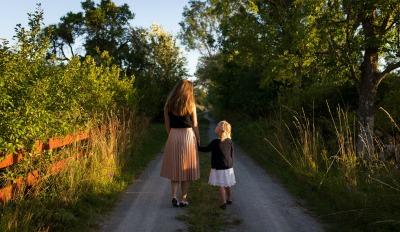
{"points": [[89, 184], [316, 159], [303, 154], [300, 145]]}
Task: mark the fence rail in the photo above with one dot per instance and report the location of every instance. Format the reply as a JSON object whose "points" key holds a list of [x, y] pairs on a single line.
{"points": [[8, 191]]}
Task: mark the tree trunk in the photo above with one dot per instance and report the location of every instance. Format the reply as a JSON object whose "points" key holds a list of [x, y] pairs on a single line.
{"points": [[370, 77], [366, 109], [369, 82]]}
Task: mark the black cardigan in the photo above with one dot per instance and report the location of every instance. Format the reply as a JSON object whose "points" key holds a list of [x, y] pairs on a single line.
{"points": [[221, 153]]}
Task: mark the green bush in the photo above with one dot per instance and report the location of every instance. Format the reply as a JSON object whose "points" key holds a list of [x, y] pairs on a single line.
{"points": [[41, 97]]}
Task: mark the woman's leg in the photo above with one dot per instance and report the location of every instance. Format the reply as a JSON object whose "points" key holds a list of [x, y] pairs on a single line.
{"points": [[184, 189], [174, 188]]}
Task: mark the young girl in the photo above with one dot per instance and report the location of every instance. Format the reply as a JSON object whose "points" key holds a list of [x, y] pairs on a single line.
{"points": [[222, 174]]}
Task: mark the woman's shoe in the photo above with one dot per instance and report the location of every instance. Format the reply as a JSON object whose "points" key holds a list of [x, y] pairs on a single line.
{"points": [[229, 202], [183, 204], [175, 202]]}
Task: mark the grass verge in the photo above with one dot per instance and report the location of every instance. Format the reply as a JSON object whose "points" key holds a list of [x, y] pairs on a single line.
{"points": [[343, 190], [150, 145], [73, 199]]}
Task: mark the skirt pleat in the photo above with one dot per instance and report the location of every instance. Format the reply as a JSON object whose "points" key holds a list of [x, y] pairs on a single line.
{"points": [[181, 161]]}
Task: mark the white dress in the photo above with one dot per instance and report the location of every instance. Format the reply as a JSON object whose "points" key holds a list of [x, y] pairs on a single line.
{"points": [[222, 178]]}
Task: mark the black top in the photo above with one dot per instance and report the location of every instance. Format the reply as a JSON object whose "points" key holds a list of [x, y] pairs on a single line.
{"points": [[221, 153], [176, 121]]}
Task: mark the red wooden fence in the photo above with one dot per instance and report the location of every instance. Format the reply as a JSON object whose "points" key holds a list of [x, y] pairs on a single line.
{"points": [[9, 191]]}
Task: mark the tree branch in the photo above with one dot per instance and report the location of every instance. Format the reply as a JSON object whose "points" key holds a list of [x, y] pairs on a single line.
{"points": [[391, 25], [395, 21], [385, 23], [62, 59], [385, 27], [62, 52], [388, 69], [71, 50]]}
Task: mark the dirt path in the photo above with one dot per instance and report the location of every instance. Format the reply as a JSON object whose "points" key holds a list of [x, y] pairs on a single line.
{"points": [[145, 205], [261, 203]]}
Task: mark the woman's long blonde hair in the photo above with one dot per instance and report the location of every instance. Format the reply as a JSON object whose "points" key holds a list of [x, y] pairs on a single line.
{"points": [[181, 99]]}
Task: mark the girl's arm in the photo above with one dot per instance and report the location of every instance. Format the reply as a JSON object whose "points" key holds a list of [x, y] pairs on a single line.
{"points": [[196, 126], [207, 148], [166, 120]]}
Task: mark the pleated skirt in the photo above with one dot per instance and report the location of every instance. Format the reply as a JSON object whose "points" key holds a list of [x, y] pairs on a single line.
{"points": [[181, 161]]}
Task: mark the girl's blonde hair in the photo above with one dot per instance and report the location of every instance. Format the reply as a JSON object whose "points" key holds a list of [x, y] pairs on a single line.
{"points": [[226, 129], [181, 99]]}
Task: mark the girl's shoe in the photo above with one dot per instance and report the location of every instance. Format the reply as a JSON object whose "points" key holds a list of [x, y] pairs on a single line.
{"points": [[183, 204], [229, 202], [223, 206], [175, 202]]}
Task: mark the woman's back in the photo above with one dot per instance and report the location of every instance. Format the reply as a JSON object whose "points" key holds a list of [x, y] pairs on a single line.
{"points": [[176, 121]]}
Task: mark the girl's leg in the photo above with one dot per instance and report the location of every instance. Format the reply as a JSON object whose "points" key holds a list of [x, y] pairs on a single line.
{"points": [[228, 193], [174, 188], [184, 189], [222, 194]]}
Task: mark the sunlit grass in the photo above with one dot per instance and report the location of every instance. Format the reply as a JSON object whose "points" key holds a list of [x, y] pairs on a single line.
{"points": [[348, 191], [73, 199]]}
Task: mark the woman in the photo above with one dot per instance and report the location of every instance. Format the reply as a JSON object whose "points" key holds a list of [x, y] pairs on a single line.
{"points": [[181, 162]]}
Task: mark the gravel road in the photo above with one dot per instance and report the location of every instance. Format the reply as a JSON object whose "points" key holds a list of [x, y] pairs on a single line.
{"points": [[260, 202], [146, 205]]}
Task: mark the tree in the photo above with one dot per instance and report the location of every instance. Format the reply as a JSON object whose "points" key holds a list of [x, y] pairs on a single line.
{"points": [[200, 27], [378, 20], [370, 41], [299, 44], [165, 65], [66, 34], [257, 48], [103, 27], [151, 55]]}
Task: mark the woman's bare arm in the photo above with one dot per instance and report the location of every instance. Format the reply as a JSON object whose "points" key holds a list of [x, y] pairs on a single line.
{"points": [[196, 126]]}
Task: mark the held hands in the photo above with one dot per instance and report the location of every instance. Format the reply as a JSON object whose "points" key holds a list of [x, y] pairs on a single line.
{"points": [[198, 144]]}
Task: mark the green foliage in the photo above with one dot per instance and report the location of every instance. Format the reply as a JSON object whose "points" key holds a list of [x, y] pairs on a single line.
{"points": [[46, 92], [199, 29], [275, 58], [151, 55], [165, 67], [103, 27], [267, 51], [40, 99]]}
